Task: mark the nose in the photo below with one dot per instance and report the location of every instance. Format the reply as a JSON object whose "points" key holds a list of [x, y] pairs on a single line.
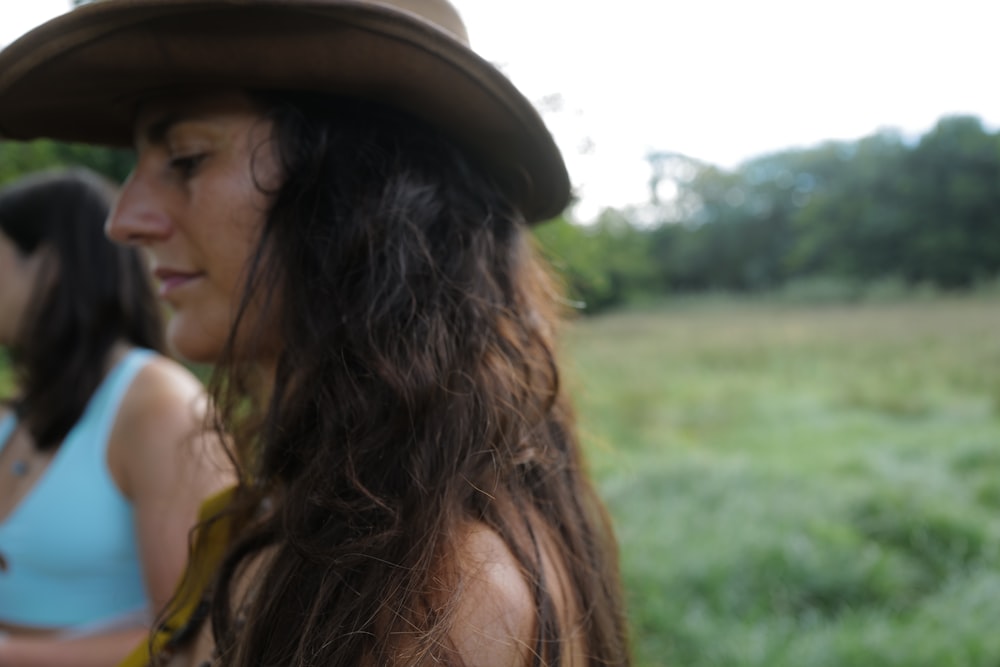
{"points": [[139, 216]]}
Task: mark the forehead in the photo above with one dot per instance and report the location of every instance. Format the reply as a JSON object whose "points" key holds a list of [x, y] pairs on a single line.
{"points": [[156, 115]]}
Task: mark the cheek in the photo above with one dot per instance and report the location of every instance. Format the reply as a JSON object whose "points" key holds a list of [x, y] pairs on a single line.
{"points": [[229, 229], [236, 249]]}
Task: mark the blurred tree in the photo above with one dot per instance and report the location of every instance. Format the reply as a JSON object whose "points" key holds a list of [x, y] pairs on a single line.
{"points": [[18, 158], [954, 204], [603, 265], [877, 208], [852, 221]]}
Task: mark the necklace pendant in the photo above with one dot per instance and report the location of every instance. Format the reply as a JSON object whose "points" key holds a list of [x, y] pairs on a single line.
{"points": [[19, 468]]}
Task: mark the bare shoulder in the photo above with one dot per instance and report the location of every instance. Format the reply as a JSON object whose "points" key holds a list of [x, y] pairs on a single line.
{"points": [[163, 385], [495, 617], [161, 427], [165, 401]]}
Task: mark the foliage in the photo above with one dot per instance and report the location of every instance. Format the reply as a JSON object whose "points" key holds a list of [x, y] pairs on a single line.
{"points": [[603, 264], [877, 210], [20, 158]]}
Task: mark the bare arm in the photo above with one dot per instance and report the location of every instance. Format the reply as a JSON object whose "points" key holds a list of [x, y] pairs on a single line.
{"points": [[166, 462]]}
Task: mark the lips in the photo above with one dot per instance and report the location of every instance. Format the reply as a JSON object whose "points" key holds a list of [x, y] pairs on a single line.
{"points": [[173, 279]]}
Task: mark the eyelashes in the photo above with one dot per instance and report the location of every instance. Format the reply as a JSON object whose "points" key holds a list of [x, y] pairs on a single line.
{"points": [[186, 165]]}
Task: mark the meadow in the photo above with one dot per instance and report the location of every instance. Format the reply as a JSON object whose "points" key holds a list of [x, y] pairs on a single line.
{"points": [[801, 485]]}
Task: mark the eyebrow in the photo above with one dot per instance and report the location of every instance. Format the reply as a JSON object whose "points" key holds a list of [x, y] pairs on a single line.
{"points": [[156, 131]]}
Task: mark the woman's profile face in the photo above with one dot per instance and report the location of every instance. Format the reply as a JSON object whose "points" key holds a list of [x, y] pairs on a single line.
{"points": [[195, 202]]}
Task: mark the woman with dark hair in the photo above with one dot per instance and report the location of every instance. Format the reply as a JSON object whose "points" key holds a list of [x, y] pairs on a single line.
{"points": [[336, 195], [101, 461]]}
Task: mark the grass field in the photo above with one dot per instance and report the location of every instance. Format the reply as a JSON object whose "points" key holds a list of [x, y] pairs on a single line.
{"points": [[801, 486]]}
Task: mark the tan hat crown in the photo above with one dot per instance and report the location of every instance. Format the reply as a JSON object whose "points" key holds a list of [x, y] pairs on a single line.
{"points": [[437, 12]]}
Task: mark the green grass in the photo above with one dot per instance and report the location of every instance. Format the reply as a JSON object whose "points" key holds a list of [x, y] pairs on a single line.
{"points": [[801, 486]]}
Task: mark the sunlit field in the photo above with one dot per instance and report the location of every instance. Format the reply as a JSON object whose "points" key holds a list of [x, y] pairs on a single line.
{"points": [[801, 485]]}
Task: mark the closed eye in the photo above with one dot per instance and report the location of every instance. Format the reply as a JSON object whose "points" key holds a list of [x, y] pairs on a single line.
{"points": [[186, 165]]}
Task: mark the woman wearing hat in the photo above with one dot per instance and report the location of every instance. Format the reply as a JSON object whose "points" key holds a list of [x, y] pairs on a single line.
{"points": [[336, 196], [104, 457]]}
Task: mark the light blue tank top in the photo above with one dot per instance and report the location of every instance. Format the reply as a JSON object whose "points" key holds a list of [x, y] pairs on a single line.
{"points": [[70, 544]]}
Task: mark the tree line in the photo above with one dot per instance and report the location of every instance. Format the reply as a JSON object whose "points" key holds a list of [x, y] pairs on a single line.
{"points": [[918, 212], [922, 211]]}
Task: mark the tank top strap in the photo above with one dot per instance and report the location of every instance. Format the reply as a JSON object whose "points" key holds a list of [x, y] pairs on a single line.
{"points": [[99, 416]]}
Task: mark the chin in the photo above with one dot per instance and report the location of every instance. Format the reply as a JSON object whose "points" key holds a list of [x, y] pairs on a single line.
{"points": [[192, 341]]}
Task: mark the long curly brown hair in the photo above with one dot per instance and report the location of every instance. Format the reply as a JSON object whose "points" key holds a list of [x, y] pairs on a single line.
{"points": [[417, 391]]}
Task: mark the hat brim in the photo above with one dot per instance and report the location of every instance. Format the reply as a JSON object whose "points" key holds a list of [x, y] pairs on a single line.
{"points": [[79, 76]]}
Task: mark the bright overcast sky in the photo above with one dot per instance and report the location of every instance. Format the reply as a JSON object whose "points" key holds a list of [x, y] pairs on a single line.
{"points": [[719, 80]]}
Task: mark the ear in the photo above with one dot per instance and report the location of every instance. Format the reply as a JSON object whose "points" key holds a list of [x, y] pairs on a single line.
{"points": [[43, 266], [41, 270]]}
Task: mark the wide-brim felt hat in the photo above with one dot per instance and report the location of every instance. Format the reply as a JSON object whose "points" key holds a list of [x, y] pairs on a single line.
{"points": [[80, 76]]}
